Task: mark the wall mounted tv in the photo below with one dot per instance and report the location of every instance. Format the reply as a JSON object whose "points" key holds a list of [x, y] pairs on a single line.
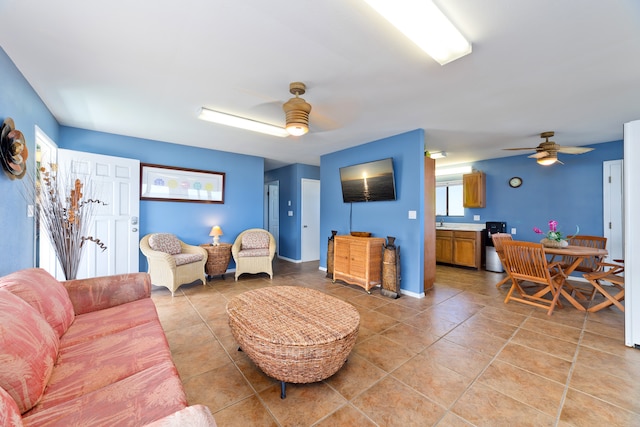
{"points": [[368, 182]]}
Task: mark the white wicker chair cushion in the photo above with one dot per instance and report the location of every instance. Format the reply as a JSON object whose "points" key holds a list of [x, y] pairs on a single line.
{"points": [[182, 259], [255, 240], [165, 242], [253, 252]]}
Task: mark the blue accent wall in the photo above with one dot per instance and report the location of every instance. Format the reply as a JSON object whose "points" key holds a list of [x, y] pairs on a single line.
{"points": [[570, 193], [191, 222], [20, 102], [382, 219], [290, 189]]}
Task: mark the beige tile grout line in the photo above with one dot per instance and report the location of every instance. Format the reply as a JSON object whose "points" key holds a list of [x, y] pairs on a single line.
{"points": [[233, 361], [573, 365]]}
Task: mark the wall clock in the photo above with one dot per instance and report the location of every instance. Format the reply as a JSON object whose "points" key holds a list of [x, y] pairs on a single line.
{"points": [[515, 182]]}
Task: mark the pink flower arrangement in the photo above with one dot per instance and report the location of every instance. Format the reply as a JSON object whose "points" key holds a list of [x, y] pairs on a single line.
{"points": [[553, 233]]}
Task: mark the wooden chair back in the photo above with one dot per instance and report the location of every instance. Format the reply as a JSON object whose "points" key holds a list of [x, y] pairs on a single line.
{"points": [[526, 261], [588, 264], [497, 239]]}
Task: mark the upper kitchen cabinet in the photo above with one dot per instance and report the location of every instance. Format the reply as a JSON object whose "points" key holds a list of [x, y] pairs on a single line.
{"points": [[473, 190]]}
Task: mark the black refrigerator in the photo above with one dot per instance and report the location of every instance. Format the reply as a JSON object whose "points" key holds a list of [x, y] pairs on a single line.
{"points": [[492, 261]]}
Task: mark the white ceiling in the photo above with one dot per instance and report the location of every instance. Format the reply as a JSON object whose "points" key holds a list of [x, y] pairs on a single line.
{"points": [[144, 68]]}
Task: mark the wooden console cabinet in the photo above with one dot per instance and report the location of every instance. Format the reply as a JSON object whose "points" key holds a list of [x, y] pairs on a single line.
{"points": [[358, 260]]}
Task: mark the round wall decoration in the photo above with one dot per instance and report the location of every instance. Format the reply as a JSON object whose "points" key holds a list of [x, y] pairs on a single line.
{"points": [[13, 150], [515, 182]]}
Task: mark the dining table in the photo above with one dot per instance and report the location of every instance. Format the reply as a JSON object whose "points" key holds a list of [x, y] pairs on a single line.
{"points": [[579, 253]]}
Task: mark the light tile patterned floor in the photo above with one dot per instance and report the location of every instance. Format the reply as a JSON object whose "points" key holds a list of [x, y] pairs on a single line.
{"points": [[458, 357]]}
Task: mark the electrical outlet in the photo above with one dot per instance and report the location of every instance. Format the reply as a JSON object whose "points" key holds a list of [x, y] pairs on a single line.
{"points": [[476, 217], [513, 231], [290, 213], [412, 214]]}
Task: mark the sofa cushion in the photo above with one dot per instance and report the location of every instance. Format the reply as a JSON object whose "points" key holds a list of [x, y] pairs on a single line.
{"points": [[92, 365], [29, 349], [99, 323], [255, 240], [44, 293], [165, 242], [146, 396], [9, 412], [182, 259]]}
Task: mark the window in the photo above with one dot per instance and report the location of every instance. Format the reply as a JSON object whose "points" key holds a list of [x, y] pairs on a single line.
{"points": [[449, 198]]}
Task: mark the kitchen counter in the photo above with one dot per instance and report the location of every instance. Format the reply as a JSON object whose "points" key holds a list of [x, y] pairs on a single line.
{"points": [[460, 226]]}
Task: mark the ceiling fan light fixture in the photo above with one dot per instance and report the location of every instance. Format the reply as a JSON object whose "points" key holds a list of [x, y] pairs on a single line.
{"points": [[241, 122], [424, 24], [297, 111], [548, 160]]}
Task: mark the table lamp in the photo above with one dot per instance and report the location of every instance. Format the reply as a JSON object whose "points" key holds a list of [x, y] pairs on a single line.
{"points": [[216, 232]]}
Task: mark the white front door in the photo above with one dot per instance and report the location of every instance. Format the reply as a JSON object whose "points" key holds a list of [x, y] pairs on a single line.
{"points": [[115, 181], [310, 218]]}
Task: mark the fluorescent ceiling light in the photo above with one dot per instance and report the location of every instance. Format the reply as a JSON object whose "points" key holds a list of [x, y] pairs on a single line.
{"points": [[437, 154], [241, 122], [458, 170], [424, 24]]}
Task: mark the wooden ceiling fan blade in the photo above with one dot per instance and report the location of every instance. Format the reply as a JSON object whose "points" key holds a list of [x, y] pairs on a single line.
{"points": [[574, 150], [522, 148], [539, 155]]}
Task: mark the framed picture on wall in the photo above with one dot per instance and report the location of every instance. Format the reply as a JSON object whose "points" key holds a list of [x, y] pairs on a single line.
{"points": [[168, 183]]}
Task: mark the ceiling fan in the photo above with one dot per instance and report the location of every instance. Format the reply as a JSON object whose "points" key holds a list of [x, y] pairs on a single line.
{"points": [[547, 152]]}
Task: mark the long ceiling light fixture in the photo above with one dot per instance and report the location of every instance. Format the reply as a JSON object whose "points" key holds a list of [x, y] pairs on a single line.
{"points": [[424, 24], [241, 122]]}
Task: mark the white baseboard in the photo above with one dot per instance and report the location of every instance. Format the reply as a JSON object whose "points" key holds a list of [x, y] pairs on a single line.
{"points": [[412, 294]]}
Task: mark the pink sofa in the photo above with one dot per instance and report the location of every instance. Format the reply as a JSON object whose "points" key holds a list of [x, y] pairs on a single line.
{"points": [[87, 352]]}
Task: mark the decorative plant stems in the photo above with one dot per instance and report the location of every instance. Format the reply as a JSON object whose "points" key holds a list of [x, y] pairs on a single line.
{"points": [[66, 215]]}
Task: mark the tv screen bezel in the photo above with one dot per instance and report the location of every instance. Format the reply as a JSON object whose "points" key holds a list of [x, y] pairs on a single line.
{"points": [[363, 165]]}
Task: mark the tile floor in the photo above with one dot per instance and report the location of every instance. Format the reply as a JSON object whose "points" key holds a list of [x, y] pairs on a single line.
{"points": [[458, 357]]}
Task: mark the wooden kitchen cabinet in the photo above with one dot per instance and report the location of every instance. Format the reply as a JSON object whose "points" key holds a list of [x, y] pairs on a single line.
{"points": [[358, 260], [459, 247], [467, 248], [473, 190], [444, 246]]}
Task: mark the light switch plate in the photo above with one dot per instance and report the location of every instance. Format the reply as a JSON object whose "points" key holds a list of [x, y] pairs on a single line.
{"points": [[412, 215], [290, 213], [513, 231], [476, 217]]}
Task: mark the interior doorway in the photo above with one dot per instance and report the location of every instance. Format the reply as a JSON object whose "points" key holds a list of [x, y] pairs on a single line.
{"points": [[613, 212], [272, 210], [310, 221]]}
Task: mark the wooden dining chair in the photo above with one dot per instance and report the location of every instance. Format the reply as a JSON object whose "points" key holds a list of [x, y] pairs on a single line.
{"points": [[497, 239], [587, 265], [613, 274], [526, 261]]}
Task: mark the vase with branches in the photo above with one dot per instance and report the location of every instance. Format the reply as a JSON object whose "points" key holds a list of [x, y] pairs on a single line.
{"points": [[65, 213]]}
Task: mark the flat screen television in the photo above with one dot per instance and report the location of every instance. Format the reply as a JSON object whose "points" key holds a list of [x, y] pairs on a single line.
{"points": [[368, 182]]}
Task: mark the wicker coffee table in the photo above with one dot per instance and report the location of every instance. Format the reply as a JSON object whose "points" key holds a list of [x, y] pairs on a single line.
{"points": [[295, 335]]}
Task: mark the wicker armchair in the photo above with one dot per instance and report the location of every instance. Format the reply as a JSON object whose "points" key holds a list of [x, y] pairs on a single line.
{"points": [[253, 252], [172, 262]]}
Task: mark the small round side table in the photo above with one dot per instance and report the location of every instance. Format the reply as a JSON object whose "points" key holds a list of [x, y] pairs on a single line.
{"points": [[218, 259]]}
